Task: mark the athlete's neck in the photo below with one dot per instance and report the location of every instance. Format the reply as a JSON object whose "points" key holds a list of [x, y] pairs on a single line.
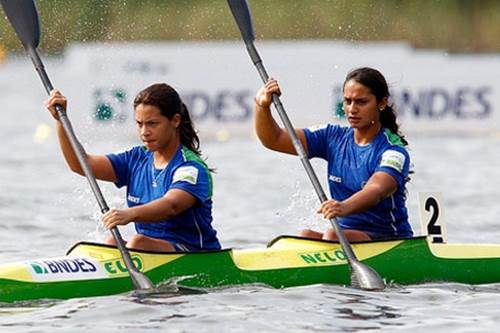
{"points": [[363, 136], [163, 156]]}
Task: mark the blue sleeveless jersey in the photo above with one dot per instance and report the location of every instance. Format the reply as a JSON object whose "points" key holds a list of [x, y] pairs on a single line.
{"points": [[351, 165], [186, 171]]}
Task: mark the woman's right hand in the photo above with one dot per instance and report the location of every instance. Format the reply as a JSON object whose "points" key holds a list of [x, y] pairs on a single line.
{"points": [[264, 96], [55, 98], [333, 208]]}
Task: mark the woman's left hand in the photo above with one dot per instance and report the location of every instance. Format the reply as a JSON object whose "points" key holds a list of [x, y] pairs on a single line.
{"points": [[264, 97], [116, 217], [332, 208]]}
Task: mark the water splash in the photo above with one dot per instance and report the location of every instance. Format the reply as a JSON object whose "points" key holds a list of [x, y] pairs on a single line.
{"points": [[302, 209]]}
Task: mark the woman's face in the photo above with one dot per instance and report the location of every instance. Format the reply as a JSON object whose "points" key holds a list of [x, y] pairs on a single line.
{"points": [[361, 106], [155, 130]]}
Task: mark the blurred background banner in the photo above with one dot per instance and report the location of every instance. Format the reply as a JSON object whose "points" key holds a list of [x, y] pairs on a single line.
{"points": [[434, 92], [439, 58]]}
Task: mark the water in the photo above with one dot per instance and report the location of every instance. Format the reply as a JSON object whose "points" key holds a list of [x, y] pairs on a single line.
{"points": [[259, 194]]}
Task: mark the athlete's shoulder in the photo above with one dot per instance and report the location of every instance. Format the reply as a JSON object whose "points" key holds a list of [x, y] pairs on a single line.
{"points": [[189, 158], [394, 158], [392, 151], [191, 169]]}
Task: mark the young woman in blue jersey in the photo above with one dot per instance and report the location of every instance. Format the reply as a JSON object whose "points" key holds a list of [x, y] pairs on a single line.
{"points": [[368, 164], [169, 187]]}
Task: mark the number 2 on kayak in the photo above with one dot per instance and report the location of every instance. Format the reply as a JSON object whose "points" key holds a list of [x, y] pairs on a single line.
{"points": [[431, 216]]}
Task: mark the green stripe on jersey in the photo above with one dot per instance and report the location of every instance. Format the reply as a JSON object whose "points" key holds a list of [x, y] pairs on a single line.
{"points": [[189, 155], [394, 139]]}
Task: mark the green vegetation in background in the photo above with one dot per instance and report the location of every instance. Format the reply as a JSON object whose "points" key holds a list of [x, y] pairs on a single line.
{"points": [[456, 25]]}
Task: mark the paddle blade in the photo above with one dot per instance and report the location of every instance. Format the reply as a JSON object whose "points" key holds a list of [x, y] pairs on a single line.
{"points": [[140, 281], [243, 18], [23, 16], [364, 277]]}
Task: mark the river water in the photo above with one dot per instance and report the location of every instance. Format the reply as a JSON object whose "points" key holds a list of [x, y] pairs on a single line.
{"points": [[259, 194]]}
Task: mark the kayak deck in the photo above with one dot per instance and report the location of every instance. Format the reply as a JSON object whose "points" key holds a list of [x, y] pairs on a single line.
{"points": [[91, 269]]}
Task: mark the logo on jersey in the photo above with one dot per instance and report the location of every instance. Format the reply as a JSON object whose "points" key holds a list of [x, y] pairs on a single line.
{"points": [[335, 179], [393, 159], [187, 174], [133, 199]]}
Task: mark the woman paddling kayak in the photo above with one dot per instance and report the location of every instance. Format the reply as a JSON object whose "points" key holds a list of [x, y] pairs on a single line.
{"points": [[368, 164], [169, 186]]}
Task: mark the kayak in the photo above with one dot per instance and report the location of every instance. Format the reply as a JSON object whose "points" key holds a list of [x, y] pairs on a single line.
{"points": [[91, 269]]}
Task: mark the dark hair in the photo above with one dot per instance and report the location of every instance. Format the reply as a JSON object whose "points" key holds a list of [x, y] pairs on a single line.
{"points": [[169, 102], [375, 81]]}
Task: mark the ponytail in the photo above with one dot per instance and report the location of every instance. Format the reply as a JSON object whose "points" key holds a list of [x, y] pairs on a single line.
{"points": [[388, 120], [188, 135]]}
